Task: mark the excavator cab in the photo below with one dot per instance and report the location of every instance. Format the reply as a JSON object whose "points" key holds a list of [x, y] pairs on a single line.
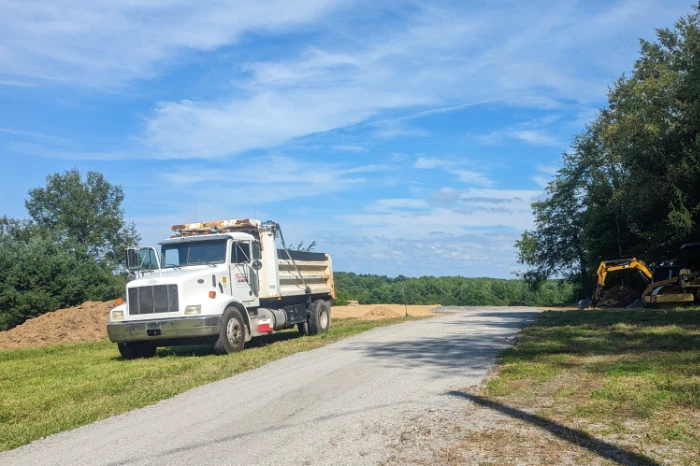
{"points": [[665, 272], [681, 282]]}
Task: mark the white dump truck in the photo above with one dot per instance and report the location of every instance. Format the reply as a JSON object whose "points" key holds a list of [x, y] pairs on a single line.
{"points": [[220, 283]]}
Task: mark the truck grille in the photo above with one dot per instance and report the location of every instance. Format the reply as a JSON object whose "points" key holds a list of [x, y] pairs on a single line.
{"points": [[153, 299]]}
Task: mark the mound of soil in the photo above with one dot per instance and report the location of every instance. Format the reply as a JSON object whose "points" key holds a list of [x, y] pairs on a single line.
{"points": [[86, 322], [380, 312], [620, 296]]}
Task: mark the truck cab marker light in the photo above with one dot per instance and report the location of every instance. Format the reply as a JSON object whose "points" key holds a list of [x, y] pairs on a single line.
{"points": [[120, 301], [212, 294]]}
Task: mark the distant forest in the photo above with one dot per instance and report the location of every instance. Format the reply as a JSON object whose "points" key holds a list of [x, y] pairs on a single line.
{"points": [[458, 291]]}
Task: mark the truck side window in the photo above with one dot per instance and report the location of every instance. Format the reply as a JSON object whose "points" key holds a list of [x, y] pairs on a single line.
{"points": [[240, 253], [256, 250]]}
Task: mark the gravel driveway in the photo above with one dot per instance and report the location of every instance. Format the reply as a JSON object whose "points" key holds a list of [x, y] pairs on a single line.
{"points": [[344, 404]]}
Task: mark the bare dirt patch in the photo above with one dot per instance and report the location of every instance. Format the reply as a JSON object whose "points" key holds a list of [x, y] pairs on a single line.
{"points": [[357, 311], [87, 322]]}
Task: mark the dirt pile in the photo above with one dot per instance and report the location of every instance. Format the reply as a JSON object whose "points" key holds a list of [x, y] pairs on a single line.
{"points": [[620, 296], [380, 312], [86, 322]]}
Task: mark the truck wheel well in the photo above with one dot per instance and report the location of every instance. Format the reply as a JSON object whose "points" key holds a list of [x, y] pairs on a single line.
{"points": [[244, 314]]}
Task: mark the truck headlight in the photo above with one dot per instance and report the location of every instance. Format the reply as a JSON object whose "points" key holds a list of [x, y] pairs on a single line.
{"points": [[116, 315], [193, 310]]}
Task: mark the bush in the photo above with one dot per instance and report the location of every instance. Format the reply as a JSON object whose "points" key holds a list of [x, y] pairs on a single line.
{"points": [[39, 276]]}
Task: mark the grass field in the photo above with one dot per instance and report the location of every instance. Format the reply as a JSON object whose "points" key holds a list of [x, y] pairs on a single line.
{"points": [[51, 389], [593, 387]]}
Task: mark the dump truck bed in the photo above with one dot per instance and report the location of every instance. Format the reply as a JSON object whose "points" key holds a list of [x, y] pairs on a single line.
{"points": [[312, 268]]}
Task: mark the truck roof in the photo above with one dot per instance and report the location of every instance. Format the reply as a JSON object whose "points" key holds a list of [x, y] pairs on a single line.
{"points": [[239, 236]]}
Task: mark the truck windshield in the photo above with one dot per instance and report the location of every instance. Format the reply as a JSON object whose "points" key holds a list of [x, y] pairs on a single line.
{"points": [[193, 253]]}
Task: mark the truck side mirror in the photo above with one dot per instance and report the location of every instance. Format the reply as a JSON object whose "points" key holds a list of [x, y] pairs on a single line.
{"points": [[257, 264], [132, 259]]}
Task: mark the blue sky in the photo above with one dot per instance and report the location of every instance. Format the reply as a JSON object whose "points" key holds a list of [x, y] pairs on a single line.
{"points": [[404, 137]]}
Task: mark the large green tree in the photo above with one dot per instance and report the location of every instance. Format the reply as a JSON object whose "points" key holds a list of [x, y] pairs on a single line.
{"points": [[630, 185], [86, 212]]}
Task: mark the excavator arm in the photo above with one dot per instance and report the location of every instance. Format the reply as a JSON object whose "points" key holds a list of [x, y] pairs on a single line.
{"points": [[607, 267]]}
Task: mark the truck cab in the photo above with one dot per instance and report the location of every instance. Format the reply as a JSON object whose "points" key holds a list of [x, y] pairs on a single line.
{"points": [[221, 283]]}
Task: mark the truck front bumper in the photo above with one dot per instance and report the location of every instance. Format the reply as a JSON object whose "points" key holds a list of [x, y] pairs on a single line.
{"points": [[164, 329]]}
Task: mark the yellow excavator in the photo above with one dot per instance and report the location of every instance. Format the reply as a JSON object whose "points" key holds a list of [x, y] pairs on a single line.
{"points": [[677, 284], [607, 267]]}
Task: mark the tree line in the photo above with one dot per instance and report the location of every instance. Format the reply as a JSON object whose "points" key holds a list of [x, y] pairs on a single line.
{"points": [[630, 184], [448, 291], [67, 251]]}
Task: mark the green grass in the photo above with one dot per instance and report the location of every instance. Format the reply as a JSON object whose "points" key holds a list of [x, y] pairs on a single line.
{"points": [[630, 377], [51, 389]]}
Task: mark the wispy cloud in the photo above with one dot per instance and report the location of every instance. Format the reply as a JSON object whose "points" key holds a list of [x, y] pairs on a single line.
{"points": [[537, 137], [274, 178], [106, 45], [456, 167], [349, 148]]}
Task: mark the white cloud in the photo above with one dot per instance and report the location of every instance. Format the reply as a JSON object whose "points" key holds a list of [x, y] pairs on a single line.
{"points": [[390, 205], [349, 148], [100, 44], [540, 180], [427, 163], [537, 137], [424, 63], [469, 209], [549, 169], [472, 177], [434, 58], [454, 166], [472, 253], [270, 179]]}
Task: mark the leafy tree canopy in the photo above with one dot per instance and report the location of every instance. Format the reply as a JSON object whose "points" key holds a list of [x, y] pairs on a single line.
{"points": [[630, 186], [87, 212]]}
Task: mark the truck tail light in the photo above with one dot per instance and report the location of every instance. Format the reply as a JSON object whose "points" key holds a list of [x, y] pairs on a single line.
{"points": [[264, 326]]}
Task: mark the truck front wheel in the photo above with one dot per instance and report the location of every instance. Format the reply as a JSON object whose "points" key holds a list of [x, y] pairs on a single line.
{"points": [[139, 349], [232, 332], [319, 317]]}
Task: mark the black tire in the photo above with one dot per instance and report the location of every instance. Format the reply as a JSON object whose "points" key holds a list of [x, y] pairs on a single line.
{"points": [[147, 349], [232, 332], [127, 350], [303, 328], [319, 317], [139, 349]]}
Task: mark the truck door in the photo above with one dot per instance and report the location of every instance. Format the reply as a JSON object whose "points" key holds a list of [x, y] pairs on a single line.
{"points": [[244, 279]]}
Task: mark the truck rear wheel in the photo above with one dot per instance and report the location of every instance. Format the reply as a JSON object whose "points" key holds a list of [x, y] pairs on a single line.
{"points": [[319, 317], [232, 332]]}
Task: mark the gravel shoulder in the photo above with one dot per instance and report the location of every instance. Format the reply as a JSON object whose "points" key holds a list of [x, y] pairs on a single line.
{"points": [[354, 402]]}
